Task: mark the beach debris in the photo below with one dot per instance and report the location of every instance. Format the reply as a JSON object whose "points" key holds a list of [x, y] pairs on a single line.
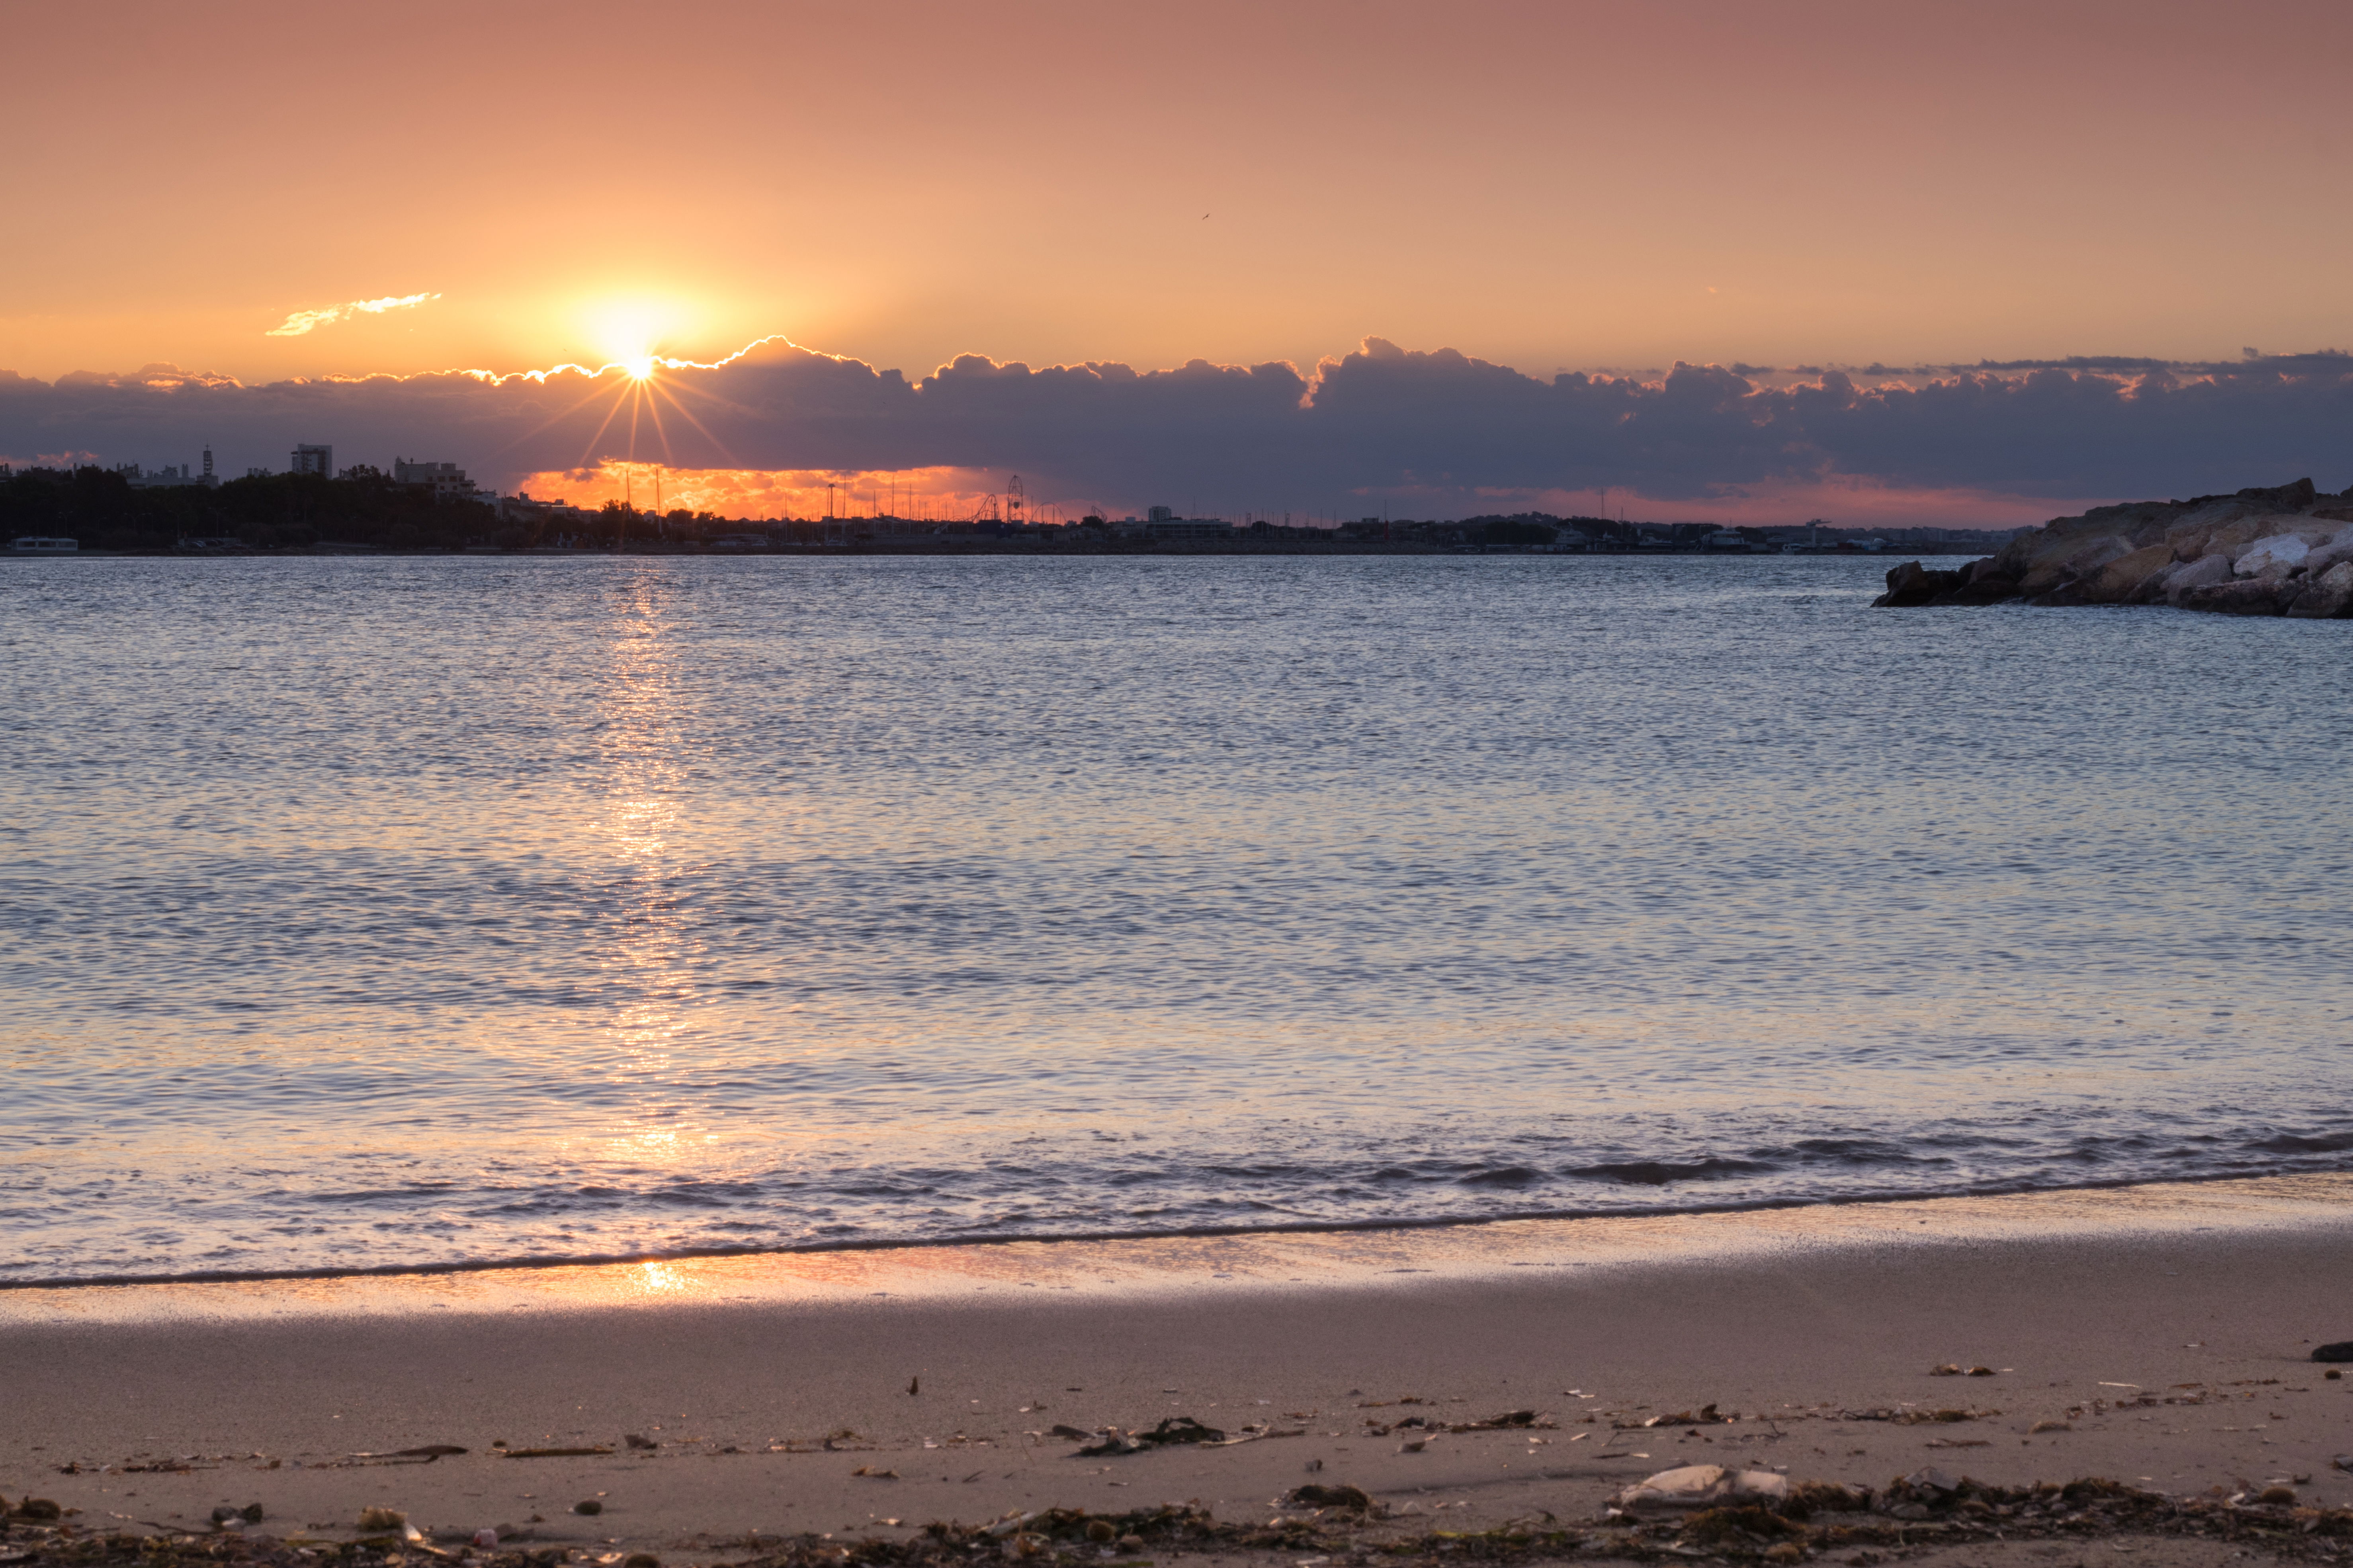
{"points": [[486, 1538], [555, 1453], [1508, 1420], [381, 1517], [638, 1440], [1101, 1531], [1907, 1416], [237, 1517], [1172, 1430], [425, 1455], [2342, 1351], [1705, 1415], [38, 1510], [588, 1506], [1413, 1446], [873, 1474], [1064, 1429], [2332, 1375], [641, 1560], [2343, 1462], [1331, 1496], [1953, 1369], [2277, 1493], [2049, 1427], [914, 1385], [1704, 1486]]}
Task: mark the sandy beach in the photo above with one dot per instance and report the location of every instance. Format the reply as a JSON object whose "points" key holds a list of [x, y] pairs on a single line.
{"points": [[2157, 1336]]}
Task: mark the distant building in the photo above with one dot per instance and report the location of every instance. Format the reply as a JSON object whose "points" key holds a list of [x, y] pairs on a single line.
{"points": [[157, 478], [1174, 527], [1160, 514], [310, 459], [524, 508], [446, 480]]}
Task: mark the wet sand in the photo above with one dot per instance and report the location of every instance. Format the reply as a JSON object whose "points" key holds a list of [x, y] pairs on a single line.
{"points": [[2169, 1329]]}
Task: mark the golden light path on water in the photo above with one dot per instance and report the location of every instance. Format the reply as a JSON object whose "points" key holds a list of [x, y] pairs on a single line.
{"points": [[646, 709]]}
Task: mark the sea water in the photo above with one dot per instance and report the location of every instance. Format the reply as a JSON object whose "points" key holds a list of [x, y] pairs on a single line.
{"points": [[404, 912]]}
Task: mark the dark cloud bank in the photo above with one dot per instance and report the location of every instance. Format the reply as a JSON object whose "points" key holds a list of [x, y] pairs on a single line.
{"points": [[1439, 424]]}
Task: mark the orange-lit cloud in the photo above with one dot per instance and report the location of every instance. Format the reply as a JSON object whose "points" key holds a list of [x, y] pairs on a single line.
{"points": [[302, 322]]}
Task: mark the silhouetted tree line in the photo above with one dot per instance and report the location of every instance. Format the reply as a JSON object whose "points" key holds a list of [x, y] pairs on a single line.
{"points": [[102, 511]]}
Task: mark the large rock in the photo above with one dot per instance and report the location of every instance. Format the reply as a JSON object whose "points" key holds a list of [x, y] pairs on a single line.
{"points": [[1913, 584], [2297, 497], [2275, 556], [1988, 581], [2231, 539], [2152, 586], [2246, 596], [2070, 560], [2329, 597], [2121, 579], [2188, 534], [2202, 573], [2337, 546]]}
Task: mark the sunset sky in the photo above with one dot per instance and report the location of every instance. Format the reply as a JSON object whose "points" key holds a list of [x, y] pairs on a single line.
{"points": [[265, 193]]}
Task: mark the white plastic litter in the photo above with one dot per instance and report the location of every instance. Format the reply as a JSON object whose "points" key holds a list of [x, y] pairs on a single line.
{"points": [[1705, 1486]]}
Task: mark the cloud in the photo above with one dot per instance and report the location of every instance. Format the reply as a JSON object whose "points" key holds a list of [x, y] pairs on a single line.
{"points": [[302, 322], [1436, 432]]}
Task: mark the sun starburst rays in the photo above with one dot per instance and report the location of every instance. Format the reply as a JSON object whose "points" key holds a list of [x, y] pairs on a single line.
{"points": [[639, 386]]}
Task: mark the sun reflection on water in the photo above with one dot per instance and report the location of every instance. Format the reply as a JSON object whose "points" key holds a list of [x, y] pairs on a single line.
{"points": [[650, 961], [661, 1280]]}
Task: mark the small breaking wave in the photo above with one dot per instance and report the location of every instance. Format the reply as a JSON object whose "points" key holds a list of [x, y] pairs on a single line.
{"points": [[1665, 1172]]}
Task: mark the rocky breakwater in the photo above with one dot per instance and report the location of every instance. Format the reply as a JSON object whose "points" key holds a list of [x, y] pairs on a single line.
{"points": [[2287, 550]]}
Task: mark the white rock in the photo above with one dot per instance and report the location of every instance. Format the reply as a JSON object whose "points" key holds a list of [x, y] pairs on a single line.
{"points": [[1705, 1486], [2282, 552]]}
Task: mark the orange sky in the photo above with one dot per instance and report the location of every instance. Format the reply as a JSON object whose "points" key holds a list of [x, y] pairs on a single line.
{"points": [[1548, 185]]}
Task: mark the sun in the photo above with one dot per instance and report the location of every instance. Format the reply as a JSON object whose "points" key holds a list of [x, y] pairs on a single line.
{"points": [[629, 336]]}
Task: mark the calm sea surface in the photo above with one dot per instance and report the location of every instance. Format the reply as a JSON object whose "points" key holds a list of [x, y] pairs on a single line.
{"points": [[357, 914]]}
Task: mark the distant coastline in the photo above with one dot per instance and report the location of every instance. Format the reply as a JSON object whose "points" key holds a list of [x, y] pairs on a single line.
{"points": [[433, 509]]}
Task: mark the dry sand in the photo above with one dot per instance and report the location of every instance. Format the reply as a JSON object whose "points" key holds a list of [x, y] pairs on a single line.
{"points": [[2169, 1328]]}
